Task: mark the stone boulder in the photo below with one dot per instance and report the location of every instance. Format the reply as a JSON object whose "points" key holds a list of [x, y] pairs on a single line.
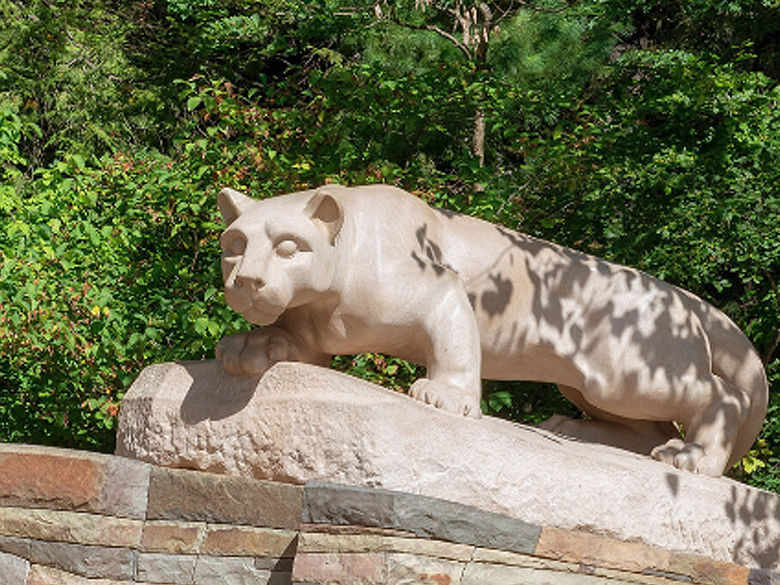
{"points": [[301, 422]]}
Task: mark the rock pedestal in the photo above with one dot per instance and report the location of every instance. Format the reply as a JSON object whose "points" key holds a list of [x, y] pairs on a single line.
{"points": [[300, 423]]}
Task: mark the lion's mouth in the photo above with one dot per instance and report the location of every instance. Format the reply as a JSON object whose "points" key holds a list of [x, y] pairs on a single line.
{"points": [[258, 317], [254, 310]]}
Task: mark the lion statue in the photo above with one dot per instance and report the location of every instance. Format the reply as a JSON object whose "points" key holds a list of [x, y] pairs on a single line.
{"points": [[341, 270]]}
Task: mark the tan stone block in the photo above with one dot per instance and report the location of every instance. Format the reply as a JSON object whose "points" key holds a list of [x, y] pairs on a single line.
{"points": [[500, 557], [172, 537], [39, 479], [176, 494], [166, 568], [42, 575], [349, 529], [77, 527], [323, 542], [432, 548], [340, 568], [546, 566], [240, 541], [581, 547], [414, 568], [639, 578], [708, 571], [493, 574], [234, 571]]}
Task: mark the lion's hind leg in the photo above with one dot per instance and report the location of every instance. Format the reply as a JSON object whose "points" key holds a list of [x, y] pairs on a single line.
{"points": [[639, 436], [710, 433]]}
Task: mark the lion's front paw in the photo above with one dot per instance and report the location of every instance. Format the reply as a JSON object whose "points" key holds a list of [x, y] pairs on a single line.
{"points": [[251, 353], [445, 396]]}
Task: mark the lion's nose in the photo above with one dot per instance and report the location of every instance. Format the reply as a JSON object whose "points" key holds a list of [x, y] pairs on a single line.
{"points": [[253, 285]]}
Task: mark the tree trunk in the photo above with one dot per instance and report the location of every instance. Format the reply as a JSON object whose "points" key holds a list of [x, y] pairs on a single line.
{"points": [[478, 137]]}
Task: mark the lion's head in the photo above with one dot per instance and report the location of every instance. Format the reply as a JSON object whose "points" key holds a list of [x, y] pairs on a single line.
{"points": [[277, 253]]}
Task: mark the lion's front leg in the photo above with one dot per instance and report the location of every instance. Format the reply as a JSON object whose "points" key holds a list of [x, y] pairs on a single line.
{"points": [[251, 353], [453, 354]]}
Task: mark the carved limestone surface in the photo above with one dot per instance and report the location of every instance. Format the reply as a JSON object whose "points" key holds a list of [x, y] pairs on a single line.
{"points": [[345, 270]]}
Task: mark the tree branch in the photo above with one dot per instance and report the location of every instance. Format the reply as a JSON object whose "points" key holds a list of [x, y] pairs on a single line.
{"points": [[773, 346], [525, 4], [771, 351], [443, 33]]}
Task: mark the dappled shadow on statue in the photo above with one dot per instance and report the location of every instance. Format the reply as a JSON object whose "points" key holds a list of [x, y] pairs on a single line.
{"points": [[339, 270], [755, 509]]}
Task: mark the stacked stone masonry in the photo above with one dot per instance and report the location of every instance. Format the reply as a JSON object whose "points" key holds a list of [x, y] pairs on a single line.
{"points": [[75, 518]]}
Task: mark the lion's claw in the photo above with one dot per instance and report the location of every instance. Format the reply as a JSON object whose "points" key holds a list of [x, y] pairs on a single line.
{"points": [[445, 396]]}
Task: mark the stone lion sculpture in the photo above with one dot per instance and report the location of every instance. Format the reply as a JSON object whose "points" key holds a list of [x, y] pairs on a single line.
{"points": [[341, 270]]}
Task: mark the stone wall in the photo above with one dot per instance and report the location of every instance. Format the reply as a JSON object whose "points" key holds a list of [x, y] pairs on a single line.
{"points": [[300, 423], [76, 518]]}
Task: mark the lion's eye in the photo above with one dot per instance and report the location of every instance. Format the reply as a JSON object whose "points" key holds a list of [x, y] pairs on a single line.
{"points": [[287, 248], [235, 246]]}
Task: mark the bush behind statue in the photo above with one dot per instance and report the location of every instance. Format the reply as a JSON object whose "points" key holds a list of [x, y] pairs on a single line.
{"points": [[109, 264]]}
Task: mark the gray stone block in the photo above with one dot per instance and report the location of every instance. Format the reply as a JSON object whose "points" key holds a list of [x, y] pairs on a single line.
{"points": [[455, 522], [326, 503], [125, 488], [13, 569], [16, 546], [424, 516], [763, 577], [279, 565], [86, 561]]}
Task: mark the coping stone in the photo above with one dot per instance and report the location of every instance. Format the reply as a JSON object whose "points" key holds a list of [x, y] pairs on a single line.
{"points": [[34, 476], [176, 494], [763, 577], [424, 516]]}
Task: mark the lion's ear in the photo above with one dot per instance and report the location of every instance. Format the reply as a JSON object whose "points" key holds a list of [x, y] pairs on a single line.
{"points": [[231, 204], [325, 210]]}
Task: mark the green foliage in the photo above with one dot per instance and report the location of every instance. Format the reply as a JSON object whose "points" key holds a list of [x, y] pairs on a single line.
{"points": [[65, 68], [744, 32], [380, 369], [89, 295]]}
